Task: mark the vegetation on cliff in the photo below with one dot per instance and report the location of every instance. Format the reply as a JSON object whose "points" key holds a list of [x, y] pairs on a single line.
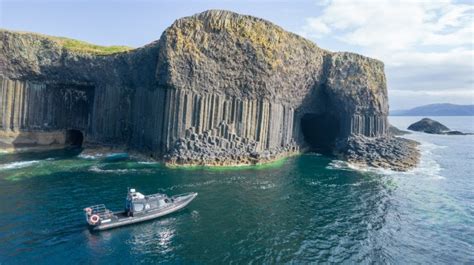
{"points": [[75, 45], [85, 47], [193, 36]]}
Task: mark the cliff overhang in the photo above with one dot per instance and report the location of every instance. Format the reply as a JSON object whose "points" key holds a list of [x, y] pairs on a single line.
{"points": [[218, 88]]}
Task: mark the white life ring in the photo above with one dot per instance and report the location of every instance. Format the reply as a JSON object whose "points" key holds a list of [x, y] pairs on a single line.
{"points": [[94, 219]]}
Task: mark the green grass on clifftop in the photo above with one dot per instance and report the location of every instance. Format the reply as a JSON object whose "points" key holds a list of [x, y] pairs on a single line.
{"points": [[67, 43], [84, 47]]}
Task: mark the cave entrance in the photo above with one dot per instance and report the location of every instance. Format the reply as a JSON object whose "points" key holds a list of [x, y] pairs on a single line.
{"points": [[74, 138], [320, 131]]}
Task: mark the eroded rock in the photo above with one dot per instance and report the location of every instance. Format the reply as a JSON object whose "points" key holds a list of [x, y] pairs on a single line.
{"points": [[397, 132], [398, 154], [218, 88]]}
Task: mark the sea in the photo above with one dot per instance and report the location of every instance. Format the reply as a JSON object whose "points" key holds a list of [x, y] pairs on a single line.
{"points": [[304, 209]]}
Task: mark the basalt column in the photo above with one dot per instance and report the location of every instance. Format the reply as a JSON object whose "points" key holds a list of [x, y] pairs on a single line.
{"points": [[357, 95], [43, 110], [218, 129]]}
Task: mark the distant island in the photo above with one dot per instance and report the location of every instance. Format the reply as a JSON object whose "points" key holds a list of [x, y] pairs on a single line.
{"points": [[441, 109], [428, 125]]}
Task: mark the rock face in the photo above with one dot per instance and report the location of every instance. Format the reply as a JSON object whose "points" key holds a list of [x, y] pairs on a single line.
{"points": [[218, 88], [391, 152], [431, 126], [396, 132], [428, 126]]}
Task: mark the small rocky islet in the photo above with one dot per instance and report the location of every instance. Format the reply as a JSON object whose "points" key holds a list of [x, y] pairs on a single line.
{"points": [[430, 126], [218, 88], [397, 132]]}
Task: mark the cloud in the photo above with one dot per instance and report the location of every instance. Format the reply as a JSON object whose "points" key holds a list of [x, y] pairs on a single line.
{"points": [[315, 27], [394, 24], [426, 45]]}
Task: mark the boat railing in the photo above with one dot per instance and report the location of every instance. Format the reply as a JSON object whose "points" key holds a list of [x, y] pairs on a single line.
{"points": [[156, 196], [182, 195], [101, 211]]}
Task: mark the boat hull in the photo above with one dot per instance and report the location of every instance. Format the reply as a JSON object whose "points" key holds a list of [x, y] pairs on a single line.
{"points": [[120, 221]]}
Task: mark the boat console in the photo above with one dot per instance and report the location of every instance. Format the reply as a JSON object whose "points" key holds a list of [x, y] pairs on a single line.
{"points": [[138, 208]]}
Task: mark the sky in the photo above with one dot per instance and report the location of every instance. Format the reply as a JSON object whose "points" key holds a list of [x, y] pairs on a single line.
{"points": [[427, 46]]}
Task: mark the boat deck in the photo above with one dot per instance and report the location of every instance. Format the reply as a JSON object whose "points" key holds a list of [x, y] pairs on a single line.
{"points": [[117, 219]]}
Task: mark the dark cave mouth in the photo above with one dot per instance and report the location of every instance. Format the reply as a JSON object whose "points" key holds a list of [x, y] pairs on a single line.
{"points": [[320, 131], [74, 138]]}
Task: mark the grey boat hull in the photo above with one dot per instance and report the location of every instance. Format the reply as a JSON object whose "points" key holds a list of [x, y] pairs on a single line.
{"points": [[120, 219]]}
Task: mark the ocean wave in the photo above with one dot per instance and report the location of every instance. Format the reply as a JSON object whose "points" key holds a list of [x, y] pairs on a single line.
{"points": [[15, 165], [344, 165], [427, 167], [192, 185], [148, 162], [264, 185], [91, 156], [97, 169]]}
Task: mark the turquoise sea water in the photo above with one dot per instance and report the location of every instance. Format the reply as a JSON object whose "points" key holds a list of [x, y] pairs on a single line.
{"points": [[308, 208]]}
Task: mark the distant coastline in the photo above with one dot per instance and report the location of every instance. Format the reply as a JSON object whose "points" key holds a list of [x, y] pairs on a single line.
{"points": [[442, 109]]}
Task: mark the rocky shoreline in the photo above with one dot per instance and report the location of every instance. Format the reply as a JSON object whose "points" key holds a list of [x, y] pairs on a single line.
{"points": [[397, 132], [208, 149], [396, 153]]}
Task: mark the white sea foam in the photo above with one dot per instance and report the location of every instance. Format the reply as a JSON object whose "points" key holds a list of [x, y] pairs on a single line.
{"points": [[147, 162], [265, 185], [91, 156], [97, 169], [344, 165], [197, 184], [15, 165], [427, 167]]}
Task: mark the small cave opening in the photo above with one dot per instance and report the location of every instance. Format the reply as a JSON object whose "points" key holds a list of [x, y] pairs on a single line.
{"points": [[320, 131], [74, 138]]}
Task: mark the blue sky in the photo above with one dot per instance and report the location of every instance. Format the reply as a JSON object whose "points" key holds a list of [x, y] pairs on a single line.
{"points": [[427, 46]]}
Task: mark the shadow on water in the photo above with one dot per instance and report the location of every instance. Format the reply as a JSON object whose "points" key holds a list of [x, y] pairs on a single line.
{"points": [[27, 155]]}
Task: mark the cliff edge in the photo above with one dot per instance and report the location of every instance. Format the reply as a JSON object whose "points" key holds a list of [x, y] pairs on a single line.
{"points": [[218, 88]]}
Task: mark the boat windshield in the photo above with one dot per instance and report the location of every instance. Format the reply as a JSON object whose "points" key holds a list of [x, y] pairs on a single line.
{"points": [[137, 207]]}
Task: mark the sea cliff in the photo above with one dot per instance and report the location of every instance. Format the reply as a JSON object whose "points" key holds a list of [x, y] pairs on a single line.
{"points": [[218, 88]]}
